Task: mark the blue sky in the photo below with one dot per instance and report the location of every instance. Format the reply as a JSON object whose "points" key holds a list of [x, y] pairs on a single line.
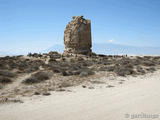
{"points": [[35, 25]]}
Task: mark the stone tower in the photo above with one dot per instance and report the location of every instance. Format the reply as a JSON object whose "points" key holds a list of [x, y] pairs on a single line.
{"points": [[77, 36]]}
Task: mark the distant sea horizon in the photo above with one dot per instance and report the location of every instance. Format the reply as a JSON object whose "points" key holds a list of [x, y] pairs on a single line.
{"points": [[99, 48]]}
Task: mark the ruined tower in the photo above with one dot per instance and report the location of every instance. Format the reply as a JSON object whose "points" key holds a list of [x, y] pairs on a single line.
{"points": [[77, 36]]}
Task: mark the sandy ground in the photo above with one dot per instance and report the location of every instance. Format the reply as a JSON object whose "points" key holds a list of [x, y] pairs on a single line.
{"points": [[136, 99]]}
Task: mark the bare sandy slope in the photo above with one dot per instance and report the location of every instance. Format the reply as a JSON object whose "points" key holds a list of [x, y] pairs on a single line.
{"points": [[141, 96]]}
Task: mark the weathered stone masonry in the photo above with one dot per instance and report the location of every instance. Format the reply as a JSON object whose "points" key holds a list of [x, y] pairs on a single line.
{"points": [[77, 36]]}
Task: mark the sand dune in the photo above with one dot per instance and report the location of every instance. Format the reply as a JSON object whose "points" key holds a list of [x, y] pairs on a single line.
{"points": [[139, 96]]}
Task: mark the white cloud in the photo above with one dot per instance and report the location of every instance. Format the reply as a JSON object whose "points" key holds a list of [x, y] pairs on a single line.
{"points": [[111, 41]]}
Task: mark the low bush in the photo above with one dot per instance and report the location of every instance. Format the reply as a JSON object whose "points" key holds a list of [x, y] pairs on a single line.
{"points": [[110, 68], [125, 71], [130, 66], [148, 63], [140, 70], [102, 68], [1, 86], [86, 72], [151, 69], [65, 84], [7, 73], [37, 78], [67, 73], [5, 80]]}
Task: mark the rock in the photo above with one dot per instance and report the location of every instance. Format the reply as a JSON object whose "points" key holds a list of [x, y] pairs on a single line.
{"points": [[109, 86], [46, 93], [77, 36], [120, 82], [15, 100], [36, 93], [97, 82], [10, 100], [65, 84], [84, 86], [91, 87], [60, 90], [84, 74], [66, 73]]}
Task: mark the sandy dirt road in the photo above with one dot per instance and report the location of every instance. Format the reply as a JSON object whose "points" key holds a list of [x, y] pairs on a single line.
{"points": [[123, 102]]}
